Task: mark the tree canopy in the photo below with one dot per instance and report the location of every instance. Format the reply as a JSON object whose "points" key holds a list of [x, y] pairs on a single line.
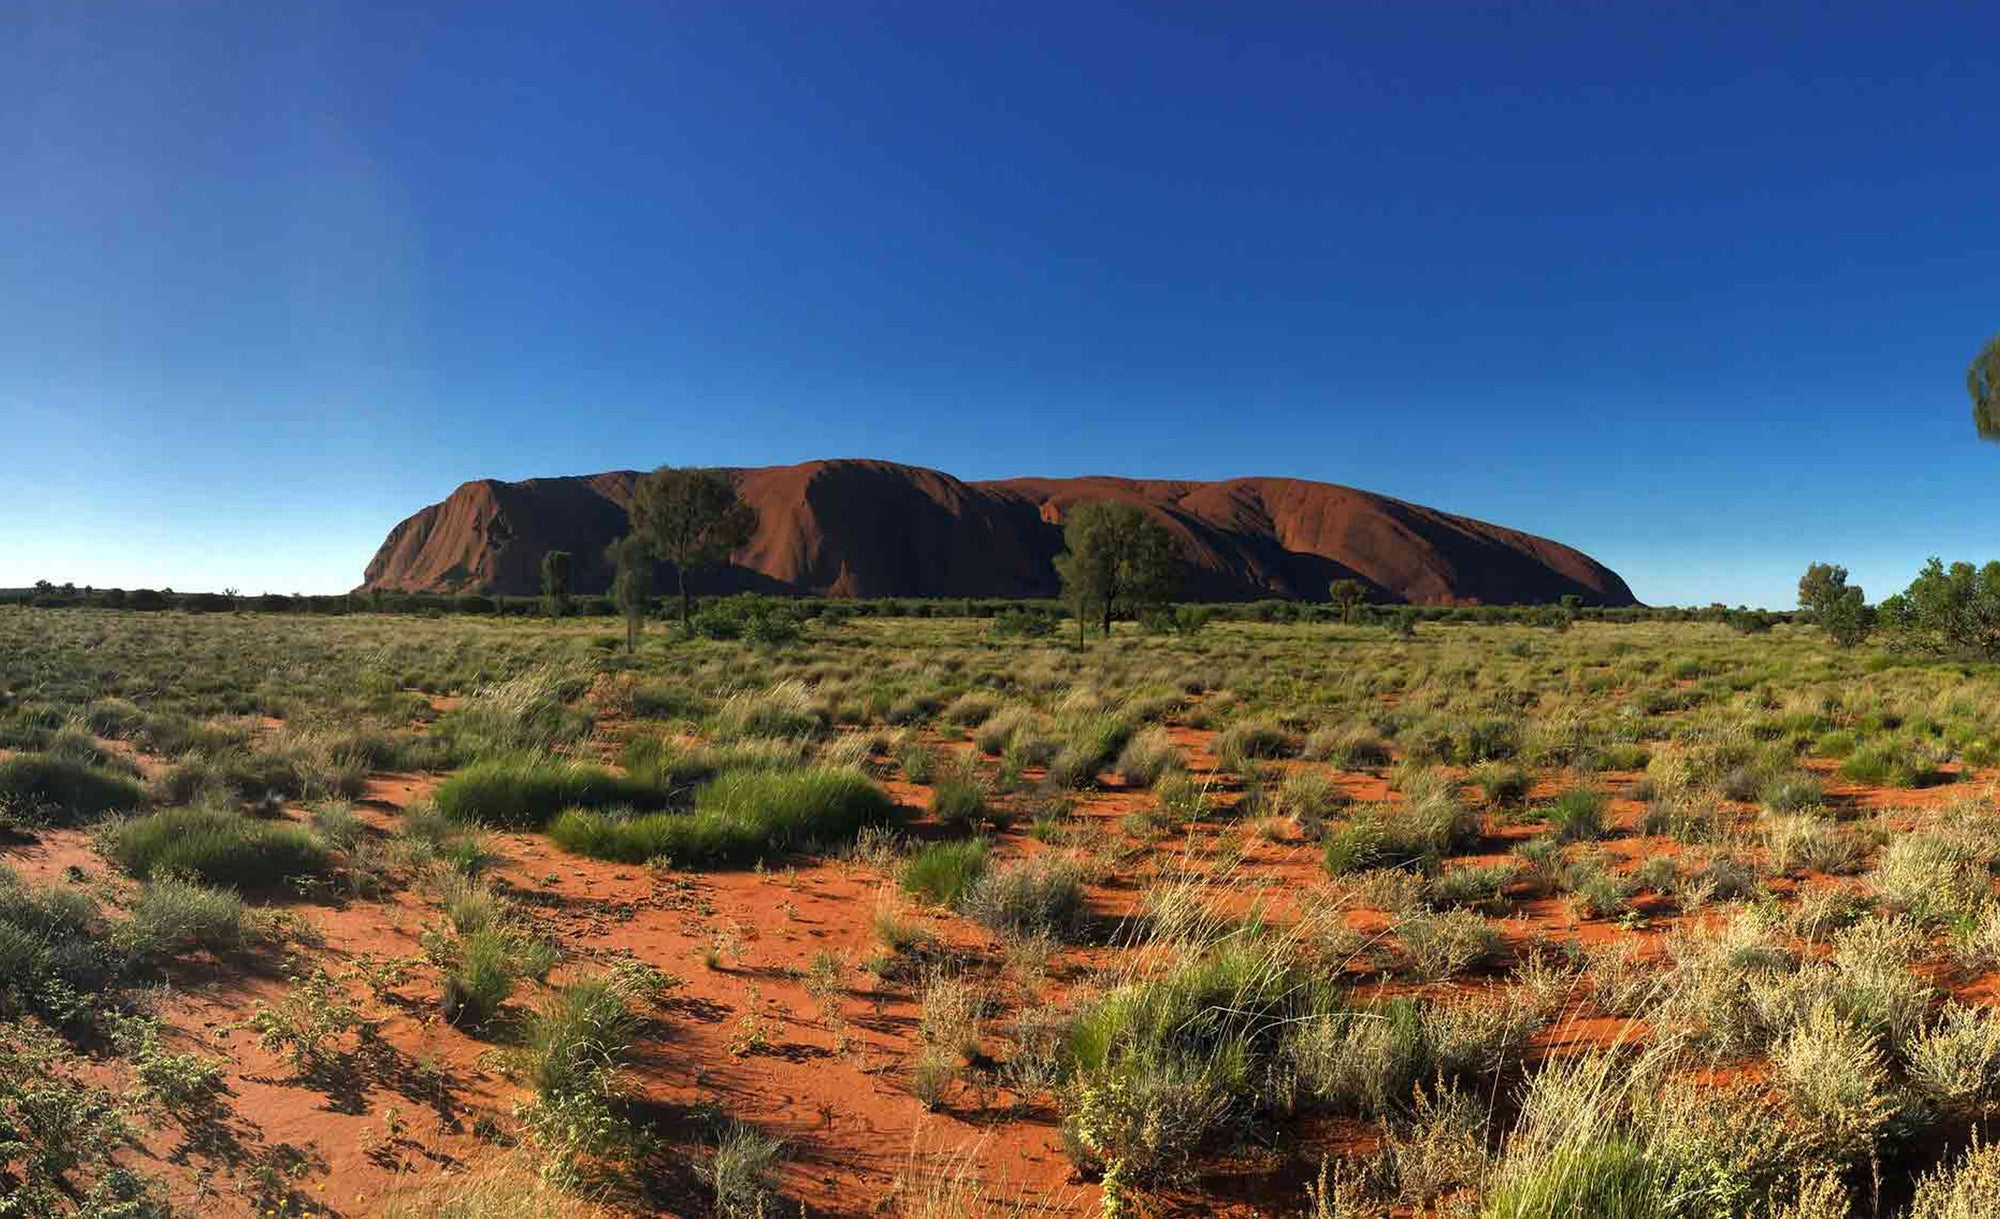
{"points": [[632, 584], [692, 518], [1841, 608], [1982, 381], [555, 582], [1116, 560], [1951, 611]]}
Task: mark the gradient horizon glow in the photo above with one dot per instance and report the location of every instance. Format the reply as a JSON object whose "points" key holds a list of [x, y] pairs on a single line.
{"points": [[1691, 289]]}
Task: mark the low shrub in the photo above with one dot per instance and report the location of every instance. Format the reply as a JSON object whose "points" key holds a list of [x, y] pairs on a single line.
{"points": [[739, 818], [945, 872], [1148, 757], [45, 790], [479, 976], [215, 846], [1577, 814], [958, 797], [1042, 896], [1249, 740], [525, 792], [175, 916]]}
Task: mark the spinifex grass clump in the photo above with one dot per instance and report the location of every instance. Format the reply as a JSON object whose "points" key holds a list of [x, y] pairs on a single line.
{"points": [[216, 846], [41, 789], [525, 792], [1162, 1067], [739, 818], [945, 871]]}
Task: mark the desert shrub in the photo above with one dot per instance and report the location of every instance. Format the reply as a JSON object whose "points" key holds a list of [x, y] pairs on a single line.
{"points": [[41, 789], [739, 818], [526, 713], [1025, 623], [1432, 821], [1502, 785], [667, 701], [787, 709], [1791, 792], [1307, 798], [1471, 886], [918, 761], [1162, 1066], [1623, 755], [971, 709], [1932, 876], [175, 916], [1354, 748], [1956, 1062], [1962, 1189], [215, 846], [958, 797], [525, 792], [1363, 1063], [1179, 798], [944, 872], [1837, 1080], [741, 1173], [579, 1036], [1042, 896], [53, 950], [1352, 847], [66, 1134], [1003, 728], [677, 768], [1486, 740], [1089, 742], [1577, 814], [1148, 757], [479, 976], [1446, 945], [1811, 843], [1249, 740], [1888, 764], [1606, 1175]]}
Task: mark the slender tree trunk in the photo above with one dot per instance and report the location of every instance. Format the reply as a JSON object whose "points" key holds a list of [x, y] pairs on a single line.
{"points": [[687, 604]]}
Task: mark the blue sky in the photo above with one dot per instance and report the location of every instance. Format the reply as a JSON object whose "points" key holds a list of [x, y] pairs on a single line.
{"points": [[1688, 287]]}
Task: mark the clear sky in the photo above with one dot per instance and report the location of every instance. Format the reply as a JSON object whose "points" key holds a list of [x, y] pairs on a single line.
{"points": [[1689, 286]]}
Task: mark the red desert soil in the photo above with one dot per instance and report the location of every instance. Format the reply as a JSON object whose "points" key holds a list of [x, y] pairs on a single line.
{"points": [[878, 529], [741, 1031]]}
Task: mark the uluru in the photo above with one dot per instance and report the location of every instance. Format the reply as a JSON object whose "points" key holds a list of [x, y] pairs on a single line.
{"points": [[864, 528]]}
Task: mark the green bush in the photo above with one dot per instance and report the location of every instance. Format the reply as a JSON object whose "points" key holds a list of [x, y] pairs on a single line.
{"points": [[578, 1037], [525, 792], [48, 790], [479, 977], [945, 871], [215, 846], [1578, 813], [52, 949], [1163, 1066], [739, 818], [1042, 896], [175, 916], [1249, 740], [958, 798]]}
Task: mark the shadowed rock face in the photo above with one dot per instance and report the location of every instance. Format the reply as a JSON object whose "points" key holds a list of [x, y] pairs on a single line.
{"points": [[876, 529]]}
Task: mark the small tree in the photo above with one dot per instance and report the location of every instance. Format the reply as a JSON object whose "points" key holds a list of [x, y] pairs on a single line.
{"points": [[1348, 596], [692, 518], [1841, 608], [1982, 381], [1951, 611], [632, 585], [1116, 559], [555, 583]]}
